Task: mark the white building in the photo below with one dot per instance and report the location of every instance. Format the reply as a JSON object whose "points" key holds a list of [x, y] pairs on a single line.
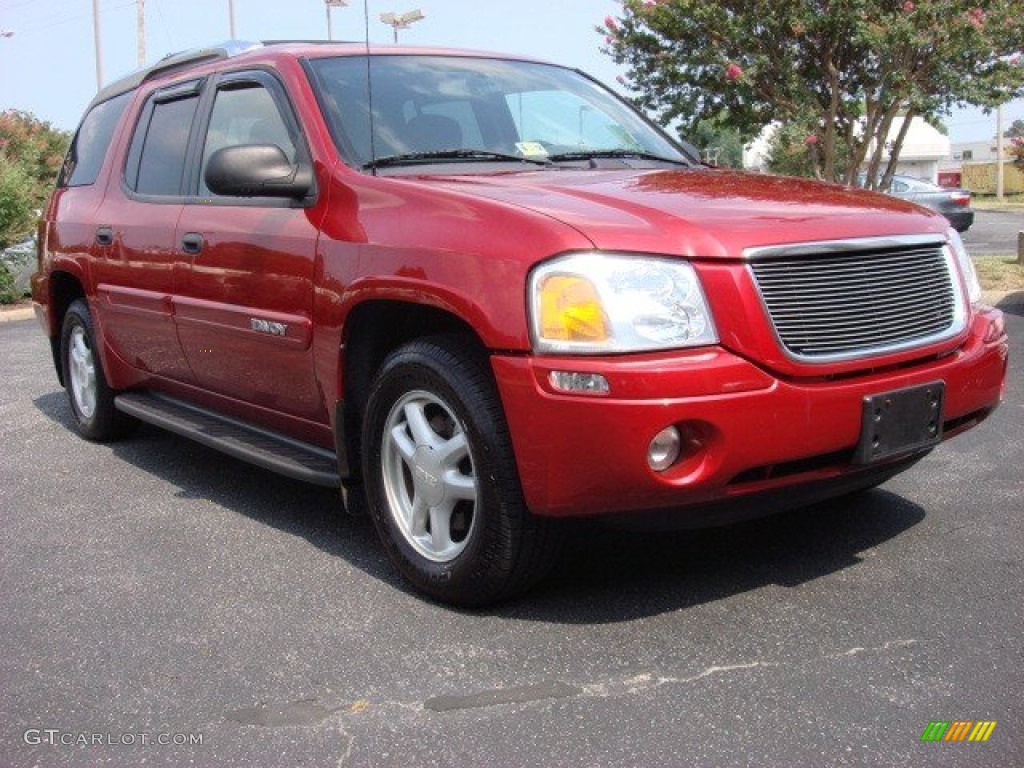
{"points": [[923, 149], [977, 152]]}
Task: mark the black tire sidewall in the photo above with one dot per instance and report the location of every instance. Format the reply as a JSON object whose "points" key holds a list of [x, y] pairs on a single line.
{"points": [[480, 572], [104, 422]]}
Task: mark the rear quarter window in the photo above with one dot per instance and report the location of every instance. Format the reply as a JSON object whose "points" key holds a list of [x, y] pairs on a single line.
{"points": [[92, 140]]}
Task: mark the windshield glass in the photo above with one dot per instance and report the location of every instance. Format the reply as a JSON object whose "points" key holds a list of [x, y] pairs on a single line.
{"points": [[442, 104]]}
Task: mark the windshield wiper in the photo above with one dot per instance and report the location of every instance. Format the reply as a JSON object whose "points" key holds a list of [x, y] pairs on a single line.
{"points": [[638, 154], [411, 158]]}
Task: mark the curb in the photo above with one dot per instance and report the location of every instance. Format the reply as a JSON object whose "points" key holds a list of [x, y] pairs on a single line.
{"points": [[12, 315]]}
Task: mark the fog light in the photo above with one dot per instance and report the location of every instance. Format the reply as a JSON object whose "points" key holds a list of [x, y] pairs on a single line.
{"points": [[664, 449], [579, 383]]}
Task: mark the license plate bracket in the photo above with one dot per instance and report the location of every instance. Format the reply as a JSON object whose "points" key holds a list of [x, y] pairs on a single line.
{"points": [[899, 422]]}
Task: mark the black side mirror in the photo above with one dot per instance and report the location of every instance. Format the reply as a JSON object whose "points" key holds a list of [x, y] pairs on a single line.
{"points": [[257, 170]]}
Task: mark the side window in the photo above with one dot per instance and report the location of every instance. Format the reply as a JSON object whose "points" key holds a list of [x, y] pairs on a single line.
{"points": [[244, 113], [156, 159], [901, 187], [89, 147]]}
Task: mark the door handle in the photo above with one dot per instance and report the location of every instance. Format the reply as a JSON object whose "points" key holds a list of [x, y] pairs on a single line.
{"points": [[105, 236], [192, 242]]}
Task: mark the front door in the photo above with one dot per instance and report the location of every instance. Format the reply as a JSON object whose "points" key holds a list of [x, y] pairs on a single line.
{"points": [[244, 310]]}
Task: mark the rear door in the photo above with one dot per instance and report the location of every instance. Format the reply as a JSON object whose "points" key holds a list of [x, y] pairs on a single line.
{"points": [[244, 309], [137, 266]]}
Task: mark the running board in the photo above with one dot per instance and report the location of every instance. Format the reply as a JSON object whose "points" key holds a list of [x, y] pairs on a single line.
{"points": [[263, 447]]}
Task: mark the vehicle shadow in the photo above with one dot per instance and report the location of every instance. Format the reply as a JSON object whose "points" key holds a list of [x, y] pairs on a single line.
{"points": [[1013, 304], [605, 574]]}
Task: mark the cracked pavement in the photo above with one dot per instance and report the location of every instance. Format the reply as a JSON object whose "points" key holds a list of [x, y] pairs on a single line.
{"points": [[156, 587]]}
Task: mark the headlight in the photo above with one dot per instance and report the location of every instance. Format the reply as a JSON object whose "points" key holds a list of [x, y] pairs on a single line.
{"points": [[966, 265], [591, 303]]}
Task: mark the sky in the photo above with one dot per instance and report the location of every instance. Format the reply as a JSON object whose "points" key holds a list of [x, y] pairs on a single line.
{"points": [[48, 64]]}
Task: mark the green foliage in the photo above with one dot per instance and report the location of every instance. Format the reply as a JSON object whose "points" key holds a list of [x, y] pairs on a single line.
{"points": [[853, 65], [31, 152], [8, 293], [16, 203], [719, 144], [1015, 133]]}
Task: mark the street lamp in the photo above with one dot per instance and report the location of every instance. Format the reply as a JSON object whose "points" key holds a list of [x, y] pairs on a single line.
{"points": [[399, 21], [330, 4], [96, 43]]}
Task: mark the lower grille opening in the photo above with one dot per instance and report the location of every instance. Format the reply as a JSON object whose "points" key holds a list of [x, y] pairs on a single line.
{"points": [[963, 422], [799, 466]]}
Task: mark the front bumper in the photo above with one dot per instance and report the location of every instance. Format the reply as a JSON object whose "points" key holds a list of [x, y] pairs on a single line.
{"points": [[749, 432]]}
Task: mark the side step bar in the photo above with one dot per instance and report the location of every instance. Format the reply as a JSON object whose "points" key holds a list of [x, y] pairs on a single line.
{"points": [[263, 447]]}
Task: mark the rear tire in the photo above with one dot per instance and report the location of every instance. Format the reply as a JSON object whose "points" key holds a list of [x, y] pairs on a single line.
{"points": [[91, 398], [441, 480]]}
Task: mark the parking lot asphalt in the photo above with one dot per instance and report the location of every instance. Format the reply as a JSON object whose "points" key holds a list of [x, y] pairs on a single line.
{"points": [[994, 233], [154, 590]]}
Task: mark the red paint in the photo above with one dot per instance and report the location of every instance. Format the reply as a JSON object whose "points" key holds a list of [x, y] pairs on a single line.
{"points": [[183, 323]]}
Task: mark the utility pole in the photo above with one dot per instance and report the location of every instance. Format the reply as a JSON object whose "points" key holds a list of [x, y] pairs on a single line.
{"points": [[140, 32], [999, 152], [231, 19], [96, 43]]}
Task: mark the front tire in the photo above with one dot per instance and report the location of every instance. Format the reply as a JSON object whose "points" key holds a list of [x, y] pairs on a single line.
{"points": [[441, 477], [91, 398]]}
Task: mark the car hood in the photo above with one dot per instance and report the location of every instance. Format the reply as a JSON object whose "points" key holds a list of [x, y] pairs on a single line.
{"points": [[701, 213]]}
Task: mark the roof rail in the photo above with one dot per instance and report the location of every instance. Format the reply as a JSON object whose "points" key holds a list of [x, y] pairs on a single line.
{"points": [[313, 42], [173, 62]]}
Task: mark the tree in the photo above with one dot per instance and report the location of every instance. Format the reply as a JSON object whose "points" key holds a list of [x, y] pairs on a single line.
{"points": [[1015, 133], [845, 69], [31, 152], [719, 143]]}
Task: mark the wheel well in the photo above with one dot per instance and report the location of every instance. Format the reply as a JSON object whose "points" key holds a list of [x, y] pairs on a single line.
{"points": [[64, 289], [372, 331]]}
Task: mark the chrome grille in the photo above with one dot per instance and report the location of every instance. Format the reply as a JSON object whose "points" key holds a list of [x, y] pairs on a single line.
{"points": [[830, 304]]}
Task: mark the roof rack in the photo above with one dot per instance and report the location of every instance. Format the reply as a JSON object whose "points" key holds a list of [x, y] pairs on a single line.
{"points": [[173, 62], [313, 42]]}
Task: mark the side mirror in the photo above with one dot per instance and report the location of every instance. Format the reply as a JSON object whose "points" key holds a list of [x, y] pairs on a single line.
{"points": [[257, 170]]}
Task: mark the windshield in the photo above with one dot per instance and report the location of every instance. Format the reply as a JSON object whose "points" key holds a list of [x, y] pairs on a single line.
{"points": [[475, 109]]}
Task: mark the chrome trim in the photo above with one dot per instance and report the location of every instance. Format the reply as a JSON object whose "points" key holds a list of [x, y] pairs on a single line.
{"points": [[811, 250], [819, 247]]}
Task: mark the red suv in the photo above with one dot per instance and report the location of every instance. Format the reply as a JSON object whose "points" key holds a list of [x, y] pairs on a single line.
{"points": [[481, 294]]}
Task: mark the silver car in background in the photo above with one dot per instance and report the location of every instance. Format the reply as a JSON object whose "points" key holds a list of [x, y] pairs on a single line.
{"points": [[954, 204]]}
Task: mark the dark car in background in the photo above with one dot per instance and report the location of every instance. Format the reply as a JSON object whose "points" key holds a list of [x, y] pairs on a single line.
{"points": [[954, 204]]}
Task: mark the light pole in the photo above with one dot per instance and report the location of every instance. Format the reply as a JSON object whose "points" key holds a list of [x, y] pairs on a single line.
{"points": [[96, 42], [999, 153], [330, 4], [140, 32], [231, 19], [399, 21]]}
